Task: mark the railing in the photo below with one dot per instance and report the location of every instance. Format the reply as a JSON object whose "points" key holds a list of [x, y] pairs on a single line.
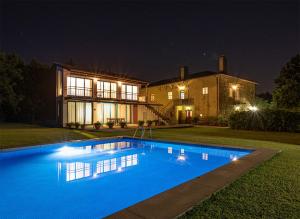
{"points": [[79, 91], [189, 101], [104, 94]]}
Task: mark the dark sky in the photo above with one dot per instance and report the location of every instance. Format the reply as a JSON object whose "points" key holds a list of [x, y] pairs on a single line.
{"points": [[150, 40]]}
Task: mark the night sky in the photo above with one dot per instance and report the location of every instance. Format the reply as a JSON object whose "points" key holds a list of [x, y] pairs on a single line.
{"points": [[150, 40]]}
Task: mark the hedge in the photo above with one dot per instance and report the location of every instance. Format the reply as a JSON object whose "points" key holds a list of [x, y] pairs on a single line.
{"points": [[266, 120]]}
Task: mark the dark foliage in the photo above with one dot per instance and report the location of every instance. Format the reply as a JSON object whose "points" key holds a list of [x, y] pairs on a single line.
{"points": [[11, 76], [265, 96], [27, 92], [266, 120], [287, 92]]}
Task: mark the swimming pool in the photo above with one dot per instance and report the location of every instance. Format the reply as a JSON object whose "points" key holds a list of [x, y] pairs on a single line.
{"points": [[96, 178]]}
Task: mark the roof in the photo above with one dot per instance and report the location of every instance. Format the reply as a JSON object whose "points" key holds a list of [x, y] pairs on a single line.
{"points": [[112, 75], [191, 76]]}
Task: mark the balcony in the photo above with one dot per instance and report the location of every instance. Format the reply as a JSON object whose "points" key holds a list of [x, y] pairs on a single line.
{"points": [[79, 92], [188, 101], [87, 93]]}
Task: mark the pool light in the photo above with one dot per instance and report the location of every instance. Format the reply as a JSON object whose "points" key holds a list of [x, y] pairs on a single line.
{"points": [[181, 157], [234, 158]]}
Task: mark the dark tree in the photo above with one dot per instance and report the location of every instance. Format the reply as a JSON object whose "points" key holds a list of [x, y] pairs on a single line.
{"points": [[35, 79], [287, 92], [11, 71], [265, 96]]}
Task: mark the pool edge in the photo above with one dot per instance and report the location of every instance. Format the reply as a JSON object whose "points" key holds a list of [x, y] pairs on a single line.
{"points": [[171, 204]]}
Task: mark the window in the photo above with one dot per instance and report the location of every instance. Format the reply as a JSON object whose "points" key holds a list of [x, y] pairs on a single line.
{"points": [[129, 92], [181, 94], [234, 92], [59, 83], [80, 112], [205, 90], [106, 89], [170, 95], [152, 97], [79, 87]]}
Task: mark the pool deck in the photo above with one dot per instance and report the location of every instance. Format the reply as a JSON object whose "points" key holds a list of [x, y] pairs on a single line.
{"points": [[176, 201]]}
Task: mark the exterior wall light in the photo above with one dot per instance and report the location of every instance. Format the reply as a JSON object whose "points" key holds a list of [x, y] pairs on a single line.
{"points": [[237, 108], [181, 87], [234, 87], [253, 108], [119, 83]]}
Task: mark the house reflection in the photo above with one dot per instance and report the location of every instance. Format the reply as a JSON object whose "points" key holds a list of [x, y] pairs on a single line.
{"points": [[79, 170]]}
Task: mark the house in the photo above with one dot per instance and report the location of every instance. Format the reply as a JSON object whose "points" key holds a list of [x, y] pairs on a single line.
{"points": [[203, 94], [87, 97]]}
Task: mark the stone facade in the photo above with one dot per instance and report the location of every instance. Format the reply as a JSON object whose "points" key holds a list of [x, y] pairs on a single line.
{"points": [[202, 96]]}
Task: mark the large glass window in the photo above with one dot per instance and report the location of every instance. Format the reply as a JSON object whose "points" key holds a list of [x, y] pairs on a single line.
{"points": [[80, 112], [79, 87], [71, 112], [105, 111], [106, 89], [129, 92]]}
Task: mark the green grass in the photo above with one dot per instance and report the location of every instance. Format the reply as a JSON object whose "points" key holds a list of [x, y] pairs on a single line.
{"points": [[272, 190]]}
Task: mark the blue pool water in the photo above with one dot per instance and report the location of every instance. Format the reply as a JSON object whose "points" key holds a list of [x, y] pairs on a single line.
{"points": [[95, 178]]}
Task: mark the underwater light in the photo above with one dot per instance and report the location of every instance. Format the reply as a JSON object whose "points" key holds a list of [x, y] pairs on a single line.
{"points": [[181, 157], [72, 151]]}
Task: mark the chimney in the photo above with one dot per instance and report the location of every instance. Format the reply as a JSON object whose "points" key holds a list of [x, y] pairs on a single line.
{"points": [[183, 72], [222, 64]]}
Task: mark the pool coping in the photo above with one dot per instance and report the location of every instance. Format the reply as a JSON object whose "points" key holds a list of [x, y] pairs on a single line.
{"points": [[171, 204]]}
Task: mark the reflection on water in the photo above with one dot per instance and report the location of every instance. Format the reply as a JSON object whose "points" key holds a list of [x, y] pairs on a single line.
{"points": [[76, 170]]}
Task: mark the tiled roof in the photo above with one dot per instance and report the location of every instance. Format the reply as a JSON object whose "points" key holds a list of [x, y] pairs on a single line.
{"points": [[193, 75], [189, 76]]}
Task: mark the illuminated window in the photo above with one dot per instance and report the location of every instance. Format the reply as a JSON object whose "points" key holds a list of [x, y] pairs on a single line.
{"points": [[170, 95], [106, 89], [234, 91], [205, 90], [152, 98], [129, 92], [181, 94], [80, 112], [79, 87]]}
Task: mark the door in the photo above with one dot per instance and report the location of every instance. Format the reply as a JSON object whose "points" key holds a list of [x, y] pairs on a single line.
{"points": [[188, 117], [180, 115]]}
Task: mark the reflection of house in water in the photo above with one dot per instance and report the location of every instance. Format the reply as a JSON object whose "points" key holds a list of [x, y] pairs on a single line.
{"points": [[78, 170]]}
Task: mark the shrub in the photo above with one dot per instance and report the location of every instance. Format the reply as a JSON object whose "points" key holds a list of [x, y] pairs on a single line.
{"points": [[222, 120], [156, 122], [70, 124], [196, 120], [82, 126], [77, 124], [97, 125], [266, 120], [149, 123], [141, 123], [123, 124], [110, 124]]}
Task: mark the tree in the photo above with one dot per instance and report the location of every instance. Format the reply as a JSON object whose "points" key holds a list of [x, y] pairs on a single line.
{"points": [[287, 91], [35, 79], [11, 70], [265, 96]]}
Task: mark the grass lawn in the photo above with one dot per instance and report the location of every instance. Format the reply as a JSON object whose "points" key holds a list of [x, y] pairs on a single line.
{"points": [[272, 190]]}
